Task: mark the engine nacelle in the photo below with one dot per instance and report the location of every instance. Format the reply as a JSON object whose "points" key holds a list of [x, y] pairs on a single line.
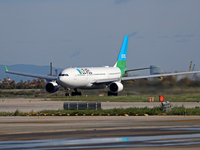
{"points": [[52, 87], [116, 87]]}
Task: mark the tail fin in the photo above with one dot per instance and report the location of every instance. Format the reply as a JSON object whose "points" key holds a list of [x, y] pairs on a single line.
{"points": [[121, 61]]}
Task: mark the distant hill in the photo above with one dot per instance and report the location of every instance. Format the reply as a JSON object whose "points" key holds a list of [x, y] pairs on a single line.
{"points": [[42, 70]]}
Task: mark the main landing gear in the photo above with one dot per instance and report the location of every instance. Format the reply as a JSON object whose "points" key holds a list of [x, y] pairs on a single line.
{"points": [[76, 93], [112, 94]]}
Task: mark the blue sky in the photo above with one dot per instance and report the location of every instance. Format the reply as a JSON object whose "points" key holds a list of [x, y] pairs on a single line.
{"points": [[77, 33]]}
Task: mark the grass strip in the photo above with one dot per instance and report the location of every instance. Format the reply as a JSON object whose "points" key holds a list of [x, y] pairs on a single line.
{"points": [[131, 98], [133, 111]]}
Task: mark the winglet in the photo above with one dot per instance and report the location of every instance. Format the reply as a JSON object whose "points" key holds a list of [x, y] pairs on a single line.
{"points": [[6, 68]]}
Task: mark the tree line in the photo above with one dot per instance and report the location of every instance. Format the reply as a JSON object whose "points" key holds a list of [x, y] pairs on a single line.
{"points": [[30, 84]]}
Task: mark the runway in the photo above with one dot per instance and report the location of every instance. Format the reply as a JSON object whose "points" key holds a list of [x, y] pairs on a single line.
{"points": [[102, 132], [170, 141], [95, 132]]}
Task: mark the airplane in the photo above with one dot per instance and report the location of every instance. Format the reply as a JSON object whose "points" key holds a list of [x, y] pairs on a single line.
{"points": [[158, 70], [95, 77]]}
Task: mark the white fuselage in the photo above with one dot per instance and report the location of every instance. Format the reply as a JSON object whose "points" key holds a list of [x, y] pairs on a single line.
{"points": [[86, 77]]}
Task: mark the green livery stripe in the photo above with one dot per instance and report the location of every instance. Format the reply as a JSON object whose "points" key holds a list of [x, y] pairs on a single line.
{"points": [[79, 71], [6, 68], [121, 63]]}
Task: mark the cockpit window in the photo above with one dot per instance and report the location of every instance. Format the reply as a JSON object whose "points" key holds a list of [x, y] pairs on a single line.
{"points": [[63, 74]]}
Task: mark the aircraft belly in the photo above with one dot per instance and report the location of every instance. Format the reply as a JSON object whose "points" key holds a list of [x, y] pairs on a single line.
{"points": [[82, 81], [95, 86]]}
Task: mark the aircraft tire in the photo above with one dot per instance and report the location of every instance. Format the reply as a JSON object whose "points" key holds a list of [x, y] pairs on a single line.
{"points": [[76, 93], [67, 94], [112, 94], [73, 94]]}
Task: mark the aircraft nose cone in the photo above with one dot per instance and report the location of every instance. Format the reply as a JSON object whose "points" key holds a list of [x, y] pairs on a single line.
{"points": [[59, 80], [62, 81]]}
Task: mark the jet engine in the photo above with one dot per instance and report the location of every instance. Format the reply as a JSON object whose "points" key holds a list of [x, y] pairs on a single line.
{"points": [[116, 87], [52, 87]]}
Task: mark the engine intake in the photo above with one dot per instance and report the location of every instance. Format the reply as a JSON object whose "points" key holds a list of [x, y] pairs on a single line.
{"points": [[52, 87], [116, 87]]}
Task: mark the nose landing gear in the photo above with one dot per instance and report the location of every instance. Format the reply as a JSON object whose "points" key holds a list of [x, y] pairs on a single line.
{"points": [[75, 93]]}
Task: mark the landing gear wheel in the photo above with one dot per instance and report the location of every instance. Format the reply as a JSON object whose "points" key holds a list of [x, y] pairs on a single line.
{"points": [[73, 93], [112, 94], [67, 94], [76, 93]]}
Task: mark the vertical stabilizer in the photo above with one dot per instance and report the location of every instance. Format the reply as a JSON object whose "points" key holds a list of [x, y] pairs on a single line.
{"points": [[121, 61]]}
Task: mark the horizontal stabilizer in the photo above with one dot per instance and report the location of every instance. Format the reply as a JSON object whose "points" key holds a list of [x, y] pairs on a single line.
{"points": [[137, 69]]}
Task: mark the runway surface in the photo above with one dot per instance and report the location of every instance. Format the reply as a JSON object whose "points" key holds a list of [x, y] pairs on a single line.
{"points": [[169, 141], [27, 105], [95, 132], [102, 132]]}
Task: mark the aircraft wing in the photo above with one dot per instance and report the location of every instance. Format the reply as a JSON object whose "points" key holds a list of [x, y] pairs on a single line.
{"points": [[143, 77], [157, 75], [31, 75]]}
